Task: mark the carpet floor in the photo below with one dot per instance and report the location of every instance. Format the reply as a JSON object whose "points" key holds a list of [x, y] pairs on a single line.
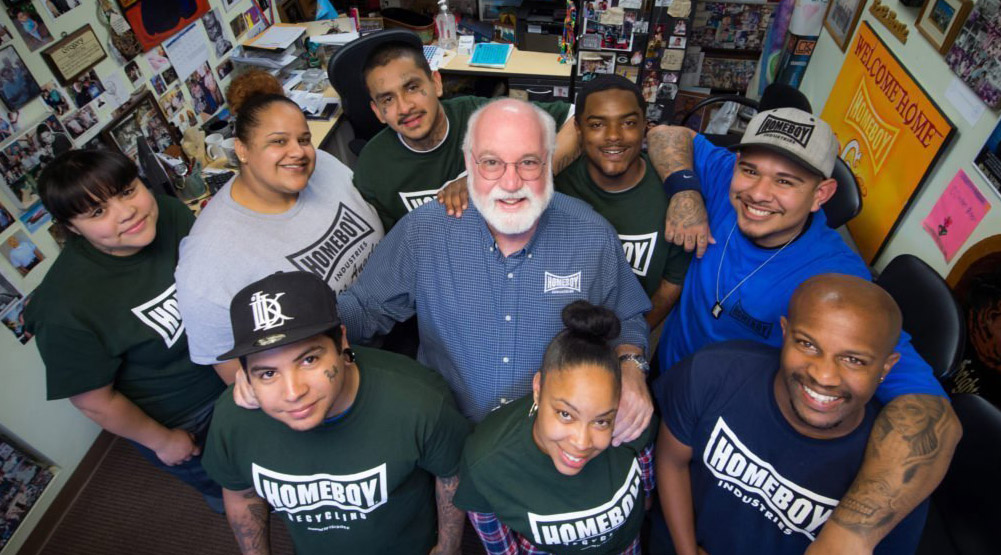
{"points": [[129, 507]]}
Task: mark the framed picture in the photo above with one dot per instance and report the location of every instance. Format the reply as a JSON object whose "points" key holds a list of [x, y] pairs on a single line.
{"points": [[154, 21], [73, 55], [17, 86], [974, 54], [143, 118], [941, 20], [841, 18]]}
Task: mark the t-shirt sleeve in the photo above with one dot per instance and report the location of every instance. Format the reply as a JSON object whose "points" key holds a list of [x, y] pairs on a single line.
{"points": [[442, 447], [467, 497], [559, 111], [714, 166], [75, 360], [218, 460], [677, 400], [362, 182], [206, 322], [911, 375], [676, 265]]}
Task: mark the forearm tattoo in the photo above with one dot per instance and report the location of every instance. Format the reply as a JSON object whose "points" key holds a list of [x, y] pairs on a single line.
{"points": [[912, 433], [450, 518], [671, 150], [251, 527]]}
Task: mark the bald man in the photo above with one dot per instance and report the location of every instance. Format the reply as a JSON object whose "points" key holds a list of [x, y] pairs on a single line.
{"points": [[779, 434]]}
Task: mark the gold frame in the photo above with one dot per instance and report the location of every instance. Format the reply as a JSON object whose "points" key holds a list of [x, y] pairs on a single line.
{"points": [[948, 36], [833, 30]]}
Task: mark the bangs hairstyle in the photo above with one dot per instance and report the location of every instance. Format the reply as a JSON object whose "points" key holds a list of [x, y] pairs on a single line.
{"points": [[78, 181], [585, 340], [387, 52], [608, 83]]}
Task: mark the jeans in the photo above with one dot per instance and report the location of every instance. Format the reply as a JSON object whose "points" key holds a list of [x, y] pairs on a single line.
{"points": [[190, 472]]}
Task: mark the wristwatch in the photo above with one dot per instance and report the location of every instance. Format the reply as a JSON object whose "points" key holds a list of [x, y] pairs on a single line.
{"points": [[640, 361]]}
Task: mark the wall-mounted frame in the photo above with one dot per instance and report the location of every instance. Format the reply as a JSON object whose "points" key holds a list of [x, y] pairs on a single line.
{"points": [[142, 118], [73, 55], [941, 20], [841, 18]]}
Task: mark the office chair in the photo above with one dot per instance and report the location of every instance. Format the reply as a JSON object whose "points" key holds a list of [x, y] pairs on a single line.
{"points": [[776, 95], [345, 73], [847, 200], [931, 314], [964, 514]]}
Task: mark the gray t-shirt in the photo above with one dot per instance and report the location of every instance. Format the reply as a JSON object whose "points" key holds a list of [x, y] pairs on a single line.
{"points": [[330, 231]]}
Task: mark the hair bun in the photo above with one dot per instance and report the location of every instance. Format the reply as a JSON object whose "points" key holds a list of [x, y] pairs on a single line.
{"points": [[587, 321], [251, 83]]}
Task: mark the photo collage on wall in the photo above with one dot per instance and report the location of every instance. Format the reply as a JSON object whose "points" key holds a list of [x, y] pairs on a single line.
{"points": [[663, 57], [54, 99], [23, 478], [612, 35], [975, 56]]}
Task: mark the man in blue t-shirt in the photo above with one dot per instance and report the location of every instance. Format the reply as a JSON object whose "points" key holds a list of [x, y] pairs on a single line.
{"points": [[763, 203], [757, 444]]}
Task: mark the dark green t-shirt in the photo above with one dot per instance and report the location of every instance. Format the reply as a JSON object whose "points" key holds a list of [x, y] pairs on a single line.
{"points": [[599, 510], [100, 319], [396, 179], [363, 483], [638, 217]]}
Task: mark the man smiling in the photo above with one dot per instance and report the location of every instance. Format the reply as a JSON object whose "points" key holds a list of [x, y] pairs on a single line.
{"points": [[419, 152], [309, 453], [620, 183], [750, 415]]}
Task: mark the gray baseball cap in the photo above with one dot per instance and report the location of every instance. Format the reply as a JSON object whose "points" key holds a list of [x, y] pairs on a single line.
{"points": [[794, 134]]}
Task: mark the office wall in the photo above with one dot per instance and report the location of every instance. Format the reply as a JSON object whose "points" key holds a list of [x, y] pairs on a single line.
{"points": [[929, 69], [55, 429]]}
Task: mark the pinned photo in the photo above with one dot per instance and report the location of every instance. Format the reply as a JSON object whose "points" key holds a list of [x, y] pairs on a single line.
{"points": [[36, 217], [133, 72], [205, 93], [213, 28], [17, 86], [29, 24], [57, 8], [592, 64], [5, 219], [55, 98], [13, 319], [85, 88], [8, 293], [80, 121], [22, 254]]}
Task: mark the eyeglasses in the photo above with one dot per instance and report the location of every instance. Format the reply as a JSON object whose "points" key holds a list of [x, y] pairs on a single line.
{"points": [[528, 169]]}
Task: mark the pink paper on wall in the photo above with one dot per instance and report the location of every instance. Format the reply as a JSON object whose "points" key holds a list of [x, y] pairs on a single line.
{"points": [[956, 213]]}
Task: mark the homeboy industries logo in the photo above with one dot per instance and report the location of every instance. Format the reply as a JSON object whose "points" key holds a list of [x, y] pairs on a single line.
{"points": [[414, 199], [162, 316], [790, 507], [639, 251], [318, 498], [562, 284], [796, 132], [324, 256], [875, 133], [592, 526], [267, 311]]}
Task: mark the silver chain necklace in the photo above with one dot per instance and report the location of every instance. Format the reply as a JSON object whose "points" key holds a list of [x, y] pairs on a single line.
{"points": [[717, 307]]}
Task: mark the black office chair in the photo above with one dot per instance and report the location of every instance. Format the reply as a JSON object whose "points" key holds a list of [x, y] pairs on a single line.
{"points": [[776, 95], [344, 70], [964, 513], [931, 314], [847, 200]]}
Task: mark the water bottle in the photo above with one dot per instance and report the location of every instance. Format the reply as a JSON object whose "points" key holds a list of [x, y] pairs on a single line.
{"points": [[445, 23]]}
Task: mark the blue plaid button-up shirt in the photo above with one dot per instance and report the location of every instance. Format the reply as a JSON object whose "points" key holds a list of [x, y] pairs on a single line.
{"points": [[485, 319]]}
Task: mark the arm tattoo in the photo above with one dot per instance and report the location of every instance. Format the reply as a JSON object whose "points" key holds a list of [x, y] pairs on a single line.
{"points": [[251, 528], [686, 209], [908, 452], [450, 518], [671, 150]]}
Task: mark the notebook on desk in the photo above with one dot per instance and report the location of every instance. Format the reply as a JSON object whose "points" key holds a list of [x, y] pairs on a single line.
{"points": [[491, 54]]}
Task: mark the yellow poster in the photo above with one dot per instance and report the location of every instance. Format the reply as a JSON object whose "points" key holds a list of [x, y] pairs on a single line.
{"points": [[890, 134]]}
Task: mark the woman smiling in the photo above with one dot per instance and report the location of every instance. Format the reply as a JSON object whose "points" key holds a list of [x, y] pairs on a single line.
{"points": [[539, 475]]}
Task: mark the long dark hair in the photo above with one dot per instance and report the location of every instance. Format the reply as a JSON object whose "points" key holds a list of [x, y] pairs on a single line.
{"points": [[79, 181]]}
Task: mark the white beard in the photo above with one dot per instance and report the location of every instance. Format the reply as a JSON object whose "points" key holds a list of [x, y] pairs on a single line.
{"points": [[511, 223]]}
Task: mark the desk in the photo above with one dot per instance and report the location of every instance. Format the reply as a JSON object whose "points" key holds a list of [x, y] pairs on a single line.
{"points": [[521, 64]]}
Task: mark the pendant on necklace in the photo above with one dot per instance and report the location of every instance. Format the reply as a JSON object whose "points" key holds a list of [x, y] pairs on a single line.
{"points": [[717, 310]]}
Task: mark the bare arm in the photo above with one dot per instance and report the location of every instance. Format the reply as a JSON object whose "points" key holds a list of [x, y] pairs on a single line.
{"points": [[567, 146], [686, 223], [663, 301], [119, 415], [674, 484], [635, 404], [248, 517], [450, 518], [908, 453], [227, 370]]}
